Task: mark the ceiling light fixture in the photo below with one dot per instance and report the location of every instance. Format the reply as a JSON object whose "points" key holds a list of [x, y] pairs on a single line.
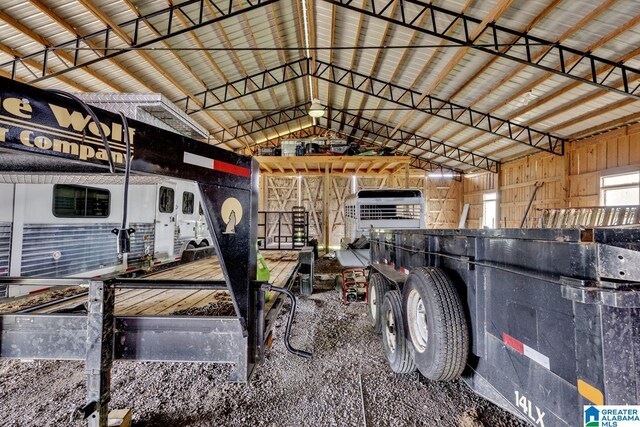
{"points": [[316, 110]]}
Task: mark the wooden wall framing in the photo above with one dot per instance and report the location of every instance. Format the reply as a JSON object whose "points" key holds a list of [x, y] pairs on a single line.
{"points": [[569, 181], [324, 196], [572, 180]]}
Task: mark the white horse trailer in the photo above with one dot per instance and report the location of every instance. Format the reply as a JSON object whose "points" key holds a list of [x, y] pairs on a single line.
{"points": [[61, 225], [385, 208]]}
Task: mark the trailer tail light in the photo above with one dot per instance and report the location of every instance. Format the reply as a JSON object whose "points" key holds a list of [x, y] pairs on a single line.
{"points": [[590, 393], [404, 270], [525, 350]]}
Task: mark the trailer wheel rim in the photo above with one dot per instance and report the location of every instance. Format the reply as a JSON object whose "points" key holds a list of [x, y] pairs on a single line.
{"points": [[390, 335], [417, 316], [373, 303]]}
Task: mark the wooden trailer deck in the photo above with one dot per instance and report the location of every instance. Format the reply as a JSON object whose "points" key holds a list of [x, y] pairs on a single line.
{"points": [[155, 302]]}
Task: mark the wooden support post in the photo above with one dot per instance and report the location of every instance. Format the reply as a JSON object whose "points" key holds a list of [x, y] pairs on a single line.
{"points": [[406, 175], [325, 207], [496, 186], [566, 178], [262, 196]]}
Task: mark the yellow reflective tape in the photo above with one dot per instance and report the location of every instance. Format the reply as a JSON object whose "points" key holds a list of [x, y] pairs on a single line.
{"points": [[591, 393]]}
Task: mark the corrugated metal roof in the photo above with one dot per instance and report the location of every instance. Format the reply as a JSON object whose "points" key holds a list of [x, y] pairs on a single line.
{"points": [[183, 66]]}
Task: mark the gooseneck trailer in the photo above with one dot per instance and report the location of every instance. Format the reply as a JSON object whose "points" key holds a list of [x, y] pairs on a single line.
{"points": [[539, 321], [55, 134]]}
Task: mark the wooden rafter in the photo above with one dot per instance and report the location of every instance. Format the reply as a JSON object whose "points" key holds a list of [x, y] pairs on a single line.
{"points": [[496, 12], [98, 13], [38, 66], [376, 61], [72, 30], [254, 44], [560, 91], [47, 43], [545, 12]]}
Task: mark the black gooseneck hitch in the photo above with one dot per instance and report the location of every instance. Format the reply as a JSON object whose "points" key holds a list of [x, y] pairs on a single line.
{"points": [[266, 288]]}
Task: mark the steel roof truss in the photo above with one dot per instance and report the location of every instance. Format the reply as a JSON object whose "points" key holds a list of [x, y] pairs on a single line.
{"points": [[262, 123], [414, 141], [192, 9], [248, 85], [523, 51], [440, 108]]}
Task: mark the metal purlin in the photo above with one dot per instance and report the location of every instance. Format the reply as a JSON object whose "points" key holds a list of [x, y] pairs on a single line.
{"points": [[590, 69], [194, 10]]}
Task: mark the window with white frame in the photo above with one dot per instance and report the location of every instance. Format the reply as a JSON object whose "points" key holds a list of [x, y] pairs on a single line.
{"points": [[489, 209], [620, 190]]}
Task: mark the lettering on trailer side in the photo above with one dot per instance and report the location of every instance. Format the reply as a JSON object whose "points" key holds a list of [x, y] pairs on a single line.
{"points": [[533, 412], [16, 118]]}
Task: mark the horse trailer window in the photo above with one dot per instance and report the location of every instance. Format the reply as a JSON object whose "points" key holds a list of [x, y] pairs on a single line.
{"points": [[188, 200], [72, 201], [166, 200]]}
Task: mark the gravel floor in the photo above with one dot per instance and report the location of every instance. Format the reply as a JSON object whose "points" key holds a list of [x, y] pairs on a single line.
{"points": [[285, 391]]}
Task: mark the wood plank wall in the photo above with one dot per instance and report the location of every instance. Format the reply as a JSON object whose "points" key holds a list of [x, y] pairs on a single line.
{"points": [[569, 181], [473, 188], [278, 193]]}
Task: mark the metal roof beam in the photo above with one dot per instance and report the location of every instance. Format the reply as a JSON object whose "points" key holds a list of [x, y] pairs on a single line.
{"points": [[300, 111], [426, 144], [259, 124], [553, 61], [248, 85], [193, 9], [440, 108], [370, 127]]}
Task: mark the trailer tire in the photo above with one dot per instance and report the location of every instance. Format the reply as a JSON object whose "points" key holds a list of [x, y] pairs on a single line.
{"points": [[190, 246], [396, 347], [377, 289], [435, 323], [203, 244]]}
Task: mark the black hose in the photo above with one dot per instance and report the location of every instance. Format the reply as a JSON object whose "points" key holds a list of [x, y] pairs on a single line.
{"points": [[287, 332], [127, 167], [89, 111]]}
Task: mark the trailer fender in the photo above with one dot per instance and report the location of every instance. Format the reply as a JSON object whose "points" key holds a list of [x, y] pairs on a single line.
{"points": [[396, 348], [436, 325]]}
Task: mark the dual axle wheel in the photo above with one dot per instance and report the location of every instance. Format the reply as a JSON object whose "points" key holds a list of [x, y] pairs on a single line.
{"points": [[423, 327]]}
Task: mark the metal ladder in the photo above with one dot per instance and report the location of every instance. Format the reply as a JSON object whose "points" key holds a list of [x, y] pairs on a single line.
{"points": [[594, 216]]}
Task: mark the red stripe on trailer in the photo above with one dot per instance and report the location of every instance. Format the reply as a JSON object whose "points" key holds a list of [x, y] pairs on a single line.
{"points": [[39, 290], [178, 257], [157, 262], [232, 169], [527, 351], [131, 268], [513, 343], [217, 165]]}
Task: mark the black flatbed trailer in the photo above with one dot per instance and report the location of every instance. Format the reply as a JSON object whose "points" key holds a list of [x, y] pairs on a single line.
{"points": [[52, 132], [553, 316]]}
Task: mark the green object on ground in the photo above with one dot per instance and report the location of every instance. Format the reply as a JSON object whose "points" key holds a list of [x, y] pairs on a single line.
{"points": [[262, 274]]}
